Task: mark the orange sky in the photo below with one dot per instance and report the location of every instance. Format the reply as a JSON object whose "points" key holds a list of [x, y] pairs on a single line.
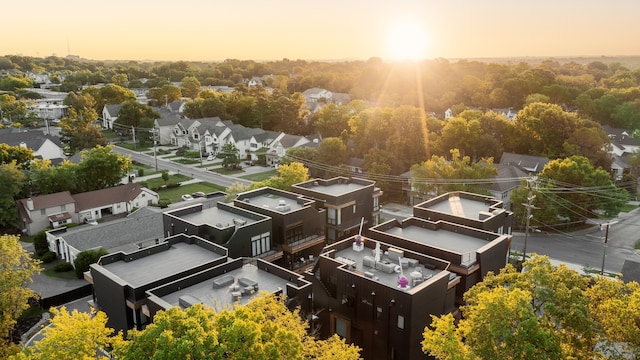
{"points": [[209, 30]]}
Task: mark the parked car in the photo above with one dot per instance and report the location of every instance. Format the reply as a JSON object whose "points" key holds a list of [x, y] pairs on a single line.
{"points": [[198, 194], [186, 197], [211, 157]]}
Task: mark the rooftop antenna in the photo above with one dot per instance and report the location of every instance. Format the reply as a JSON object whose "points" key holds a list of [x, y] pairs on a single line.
{"points": [[358, 244]]}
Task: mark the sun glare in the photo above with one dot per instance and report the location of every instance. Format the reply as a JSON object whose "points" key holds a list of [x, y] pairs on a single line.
{"points": [[407, 41]]}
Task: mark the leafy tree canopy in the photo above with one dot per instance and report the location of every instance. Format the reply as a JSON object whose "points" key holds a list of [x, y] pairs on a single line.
{"points": [[543, 312]]}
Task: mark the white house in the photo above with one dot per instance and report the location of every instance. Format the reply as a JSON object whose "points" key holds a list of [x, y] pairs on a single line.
{"points": [[55, 210], [44, 146], [110, 115]]}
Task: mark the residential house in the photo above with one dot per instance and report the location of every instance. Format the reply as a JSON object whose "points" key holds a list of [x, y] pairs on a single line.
{"points": [[621, 147], [55, 210], [530, 164], [278, 148], [122, 199], [355, 165], [164, 126], [39, 212], [237, 281], [509, 178], [350, 203], [297, 224], [242, 232], [469, 209], [176, 107], [379, 296], [315, 98], [110, 115], [140, 229], [120, 280], [44, 146], [471, 252]]}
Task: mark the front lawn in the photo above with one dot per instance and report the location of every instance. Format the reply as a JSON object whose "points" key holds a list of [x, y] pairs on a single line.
{"points": [[175, 194], [156, 182], [260, 176]]}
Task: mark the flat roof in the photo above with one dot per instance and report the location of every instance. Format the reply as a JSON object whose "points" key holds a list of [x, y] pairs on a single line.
{"points": [[460, 206], [216, 217], [441, 239], [273, 201], [177, 258], [355, 261], [219, 298], [336, 189]]}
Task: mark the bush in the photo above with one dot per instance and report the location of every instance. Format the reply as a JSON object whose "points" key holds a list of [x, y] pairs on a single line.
{"points": [[63, 267], [40, 243], [48, 257], [140, 172], [86, 258], [40, 252]]}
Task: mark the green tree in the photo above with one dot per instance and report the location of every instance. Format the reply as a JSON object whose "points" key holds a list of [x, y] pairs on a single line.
{"points": [[543, 312], [17, 270], [332, 152], [556, 198], [288, 174], [73, 335], [11, 108], [101, 168], [440, 175], [120, 79], [48, 179], [229, 153], [133, 113], [165, 94], [12, 181], [190, 87], [85, 258]]}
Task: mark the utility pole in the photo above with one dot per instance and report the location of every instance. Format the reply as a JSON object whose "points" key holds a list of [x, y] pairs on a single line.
{"points": [[529, 206], [155, 154], [133, 131], [606, 239]]}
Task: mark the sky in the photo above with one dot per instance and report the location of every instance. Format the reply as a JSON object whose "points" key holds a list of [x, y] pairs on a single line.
{"points": [[210, 30]]}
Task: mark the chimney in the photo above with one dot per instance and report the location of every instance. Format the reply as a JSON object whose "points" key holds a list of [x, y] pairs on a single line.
{"points": [[30, 204]]}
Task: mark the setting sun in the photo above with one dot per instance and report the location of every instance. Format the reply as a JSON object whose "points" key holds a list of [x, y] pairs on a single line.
{"points": [[407, 41]]}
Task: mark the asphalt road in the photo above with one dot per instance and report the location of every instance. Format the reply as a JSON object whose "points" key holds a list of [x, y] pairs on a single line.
{"points": [[587, 247], [192, 171]]}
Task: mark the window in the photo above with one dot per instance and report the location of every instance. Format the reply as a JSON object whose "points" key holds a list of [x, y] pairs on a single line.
{"points": [[293, 233], [43, 211], [341, 327], [260, 244], [63, 207], [376, 203], [400, 322], [331, 216], [354, 208]]}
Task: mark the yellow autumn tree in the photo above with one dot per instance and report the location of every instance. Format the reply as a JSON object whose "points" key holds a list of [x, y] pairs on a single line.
{"points": [[16, 272], [75, 335], [543, 312], [263, 329]]}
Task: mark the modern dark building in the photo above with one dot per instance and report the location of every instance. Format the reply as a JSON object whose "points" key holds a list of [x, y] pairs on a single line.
{"points": [[297, 224], [120, 280], [349, 202], [469, 209], [244, 233], [234, 282], [471, 252], [379, 296]]}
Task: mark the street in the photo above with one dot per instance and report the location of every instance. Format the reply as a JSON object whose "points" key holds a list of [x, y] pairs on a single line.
{"points": [[193, 171], [586, 247]]}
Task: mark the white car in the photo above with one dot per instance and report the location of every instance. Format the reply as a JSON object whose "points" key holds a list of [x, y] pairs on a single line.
{"points": [[211, 157], [186, 197]]}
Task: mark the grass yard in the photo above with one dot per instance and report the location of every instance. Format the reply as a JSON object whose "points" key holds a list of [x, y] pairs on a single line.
{"points": [[174, 194], [260, 176], [157, 182]]}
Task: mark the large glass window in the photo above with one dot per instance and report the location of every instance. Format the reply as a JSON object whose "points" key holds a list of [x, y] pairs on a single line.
{"points": [[341, 327], [331, 216], [260, 244], [293, 233]]}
